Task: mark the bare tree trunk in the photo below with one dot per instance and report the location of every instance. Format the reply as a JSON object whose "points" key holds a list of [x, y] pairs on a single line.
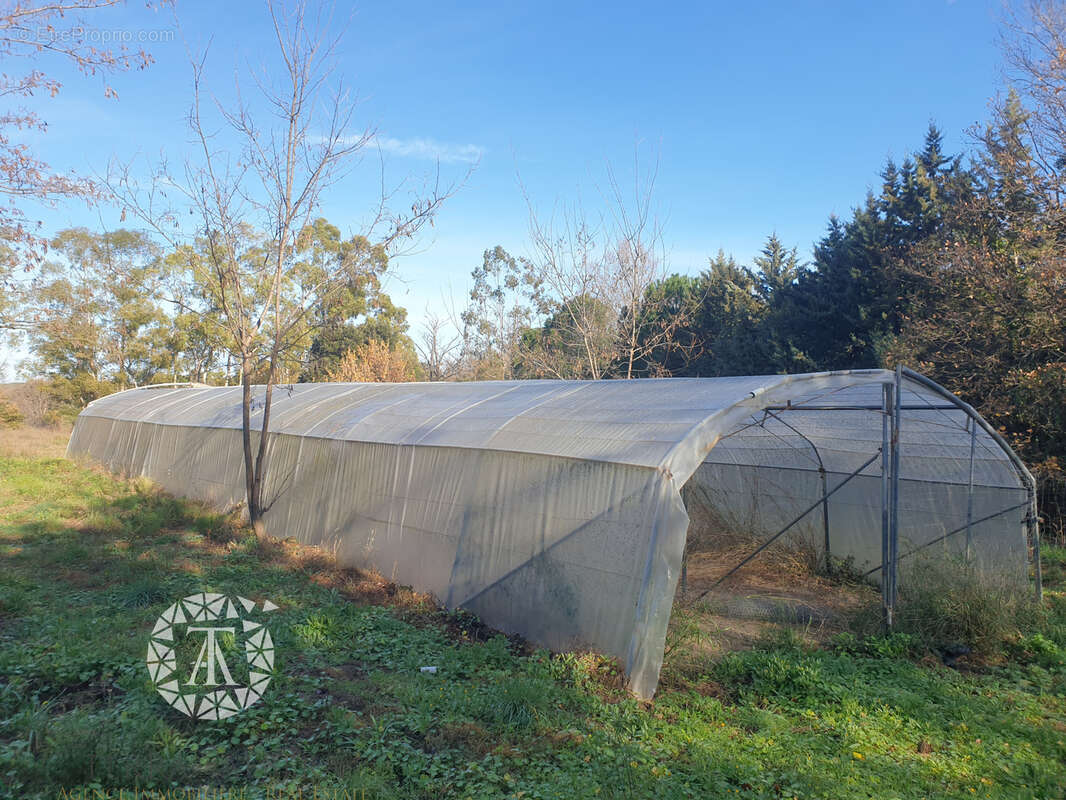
{"points": [[632, 351], [255, 496], [246, 434]]}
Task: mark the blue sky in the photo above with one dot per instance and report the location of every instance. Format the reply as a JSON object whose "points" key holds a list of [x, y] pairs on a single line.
{"points": [[765, 116]]}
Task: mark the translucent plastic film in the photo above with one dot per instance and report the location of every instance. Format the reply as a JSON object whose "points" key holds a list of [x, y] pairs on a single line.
{"points": [[552, 509]]}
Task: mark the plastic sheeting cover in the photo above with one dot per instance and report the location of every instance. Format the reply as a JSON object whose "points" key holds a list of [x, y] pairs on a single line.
{"points": [[551, 509]]}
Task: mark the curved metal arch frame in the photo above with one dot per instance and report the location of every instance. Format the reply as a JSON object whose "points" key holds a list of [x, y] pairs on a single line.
{"points": [[1032, 520], [894, 379]]}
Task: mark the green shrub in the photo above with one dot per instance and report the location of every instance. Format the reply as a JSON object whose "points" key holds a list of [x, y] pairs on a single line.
{"points": [[1053, 561], [1039, 649], [68, 396], [778, 675], [10, 416], [55, 418], [894, 645], [512, 702], [141, 593], [14, 598]]}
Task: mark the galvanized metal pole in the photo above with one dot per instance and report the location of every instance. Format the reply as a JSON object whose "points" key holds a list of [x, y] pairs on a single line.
{"points": [[825, 521], [1032, 524], [893, 522], [886, 411], [969, 492]]}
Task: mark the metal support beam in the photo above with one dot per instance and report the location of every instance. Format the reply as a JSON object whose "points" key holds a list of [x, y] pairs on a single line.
{"points": [[825, 522], [893, 520], [1032, 529], [949, 534], [915, 407], [825, 496], [887, 407]]}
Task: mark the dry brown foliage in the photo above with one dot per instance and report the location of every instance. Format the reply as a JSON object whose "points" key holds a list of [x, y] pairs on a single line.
{"points": [[373, 362]]}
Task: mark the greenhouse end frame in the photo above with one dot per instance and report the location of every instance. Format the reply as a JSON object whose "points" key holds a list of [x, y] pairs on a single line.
{"points": [[892, 410]]}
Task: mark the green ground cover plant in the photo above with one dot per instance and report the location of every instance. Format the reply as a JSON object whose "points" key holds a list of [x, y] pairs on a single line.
{"points": [[88, 561]]}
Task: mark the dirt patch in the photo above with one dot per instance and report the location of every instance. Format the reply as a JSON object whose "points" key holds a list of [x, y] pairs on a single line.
{"points": [[85, 695], [349, 686], [189, 566], [348, 697], [466, 627], [775, 594], [773, 575], [709, 688], [778, 585], [357, 585]]}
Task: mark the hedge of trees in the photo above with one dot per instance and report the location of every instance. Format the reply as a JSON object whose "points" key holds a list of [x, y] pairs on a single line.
{"points": [[955, 267]]}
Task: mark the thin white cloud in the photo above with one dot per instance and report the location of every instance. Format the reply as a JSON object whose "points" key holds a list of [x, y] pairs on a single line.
{"points": [[430, 150]]}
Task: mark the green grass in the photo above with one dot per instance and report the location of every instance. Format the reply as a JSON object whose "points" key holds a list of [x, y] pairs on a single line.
{"points": [[87, 562]]}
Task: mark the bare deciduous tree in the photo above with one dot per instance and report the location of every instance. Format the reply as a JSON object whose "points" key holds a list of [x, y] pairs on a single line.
{"points": [[1034, 44], [33, 31], [251, 211], [438, 349], [639, 261], [589, 279]]}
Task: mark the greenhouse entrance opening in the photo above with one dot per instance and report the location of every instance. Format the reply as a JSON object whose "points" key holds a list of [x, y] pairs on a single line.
{"points": [[802, 502], [560, 510]]}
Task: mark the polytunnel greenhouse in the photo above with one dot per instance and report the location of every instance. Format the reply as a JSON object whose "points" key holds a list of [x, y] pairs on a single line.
{"points": [[557, 509]]}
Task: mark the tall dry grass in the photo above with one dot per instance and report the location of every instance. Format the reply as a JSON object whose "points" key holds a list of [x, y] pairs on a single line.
{"points": [[946, 602], [31, 442]]}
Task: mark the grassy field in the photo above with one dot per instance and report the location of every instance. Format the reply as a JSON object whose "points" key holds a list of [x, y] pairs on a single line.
{"points": [[87, 563]]}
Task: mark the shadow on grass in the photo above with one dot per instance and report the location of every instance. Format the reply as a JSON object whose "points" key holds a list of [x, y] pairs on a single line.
{"points": [[88, 562]]}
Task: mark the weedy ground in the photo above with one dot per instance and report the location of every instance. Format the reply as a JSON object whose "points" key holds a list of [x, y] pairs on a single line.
{"points": [[88, 561]]}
